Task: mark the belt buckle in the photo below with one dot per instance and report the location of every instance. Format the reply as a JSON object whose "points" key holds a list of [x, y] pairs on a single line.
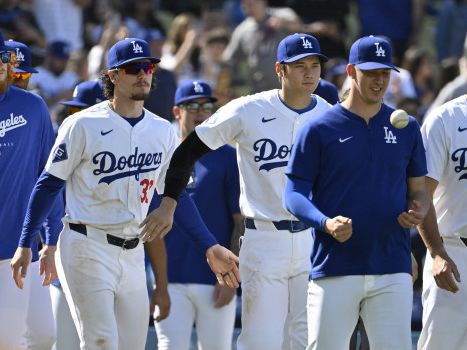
{"points": [[298, 226], [129, 244]]}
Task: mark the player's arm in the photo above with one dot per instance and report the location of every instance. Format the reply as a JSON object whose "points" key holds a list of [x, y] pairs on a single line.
{"points": [[41, 201], [443, 267], [221, 260], [160, 297], [159, 222], [418, 203], [297, 202]]}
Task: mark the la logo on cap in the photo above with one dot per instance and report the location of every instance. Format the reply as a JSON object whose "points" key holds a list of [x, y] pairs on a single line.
{"points": [[136, 47], [306, 43], [380, 52], [197, 87], [19, 55]]}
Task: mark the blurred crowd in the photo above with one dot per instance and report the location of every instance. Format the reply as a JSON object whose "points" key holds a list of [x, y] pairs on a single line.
{"points": [[231, 43]]}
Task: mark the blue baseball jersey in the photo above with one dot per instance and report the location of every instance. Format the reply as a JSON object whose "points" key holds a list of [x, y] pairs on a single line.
{"points": [[26, 137], [215, 189], [360, 171]]}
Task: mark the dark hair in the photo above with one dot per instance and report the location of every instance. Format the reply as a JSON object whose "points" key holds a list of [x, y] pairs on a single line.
{"points": [[107, 85]]}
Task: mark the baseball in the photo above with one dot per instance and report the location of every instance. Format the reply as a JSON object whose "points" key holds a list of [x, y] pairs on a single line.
{"points": [[399, 118]]}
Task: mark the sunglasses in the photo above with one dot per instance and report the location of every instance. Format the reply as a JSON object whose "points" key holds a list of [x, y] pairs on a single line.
{"points": [[194, 107], [21, 75], [5, 56], [135, 68]]}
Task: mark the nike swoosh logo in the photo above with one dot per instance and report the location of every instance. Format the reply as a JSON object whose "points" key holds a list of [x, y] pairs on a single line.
{"points": [[343, 140], [264, 120], [103, 133], [461, 129]]}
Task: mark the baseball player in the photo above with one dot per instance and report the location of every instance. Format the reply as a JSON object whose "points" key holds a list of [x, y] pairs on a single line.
{"points": [[24, 68], [26, 137], [367, 184], [113, 157], [274, 257], [444, 295], [195, 295]]}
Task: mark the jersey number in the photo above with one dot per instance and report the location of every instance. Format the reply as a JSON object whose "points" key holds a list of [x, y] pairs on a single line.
{"points": [[147, 184]]}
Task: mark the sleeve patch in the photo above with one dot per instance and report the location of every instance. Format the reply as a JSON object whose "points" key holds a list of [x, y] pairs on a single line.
{"points": [[60, 153]]}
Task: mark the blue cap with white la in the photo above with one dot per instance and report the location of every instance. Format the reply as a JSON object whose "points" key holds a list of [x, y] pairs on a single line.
{"points": [[129, 50], [371, 52], [192, 89], [23, 56], [86, 94], [296, 46]]}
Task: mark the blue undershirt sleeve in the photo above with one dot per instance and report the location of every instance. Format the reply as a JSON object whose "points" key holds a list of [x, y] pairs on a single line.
{"points": [[297, 202], [188, 219], [41, 202]]}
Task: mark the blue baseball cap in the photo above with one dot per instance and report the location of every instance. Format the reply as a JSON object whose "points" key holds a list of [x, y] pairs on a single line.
{"points": [[86, 94], [23, 56], [297, 46], [371, 52], [60, 49], [129, 50], [192, 89]]}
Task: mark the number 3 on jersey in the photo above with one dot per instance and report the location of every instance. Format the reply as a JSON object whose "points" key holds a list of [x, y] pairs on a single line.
{"points": [[146, 184]]}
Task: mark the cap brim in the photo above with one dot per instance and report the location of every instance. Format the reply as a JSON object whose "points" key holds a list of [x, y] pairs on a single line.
{"points": [[298, 57], [375, 65], [194, 97], [152, 59], [74, 104], [25, 70]]}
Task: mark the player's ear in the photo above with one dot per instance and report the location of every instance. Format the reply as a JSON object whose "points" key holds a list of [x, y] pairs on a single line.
{"points": [[113, 75], [351, 70], [176, 111], [278, 69]]}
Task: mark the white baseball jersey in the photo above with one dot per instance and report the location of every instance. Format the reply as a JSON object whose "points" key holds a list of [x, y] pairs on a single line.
{"points": [[444, 134], [265, 130], [112, 169]]}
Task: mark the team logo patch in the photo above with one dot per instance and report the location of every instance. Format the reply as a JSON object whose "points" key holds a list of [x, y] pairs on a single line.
{"points": [[380, 52], [60, 153], [19, 55], [136, 47]]}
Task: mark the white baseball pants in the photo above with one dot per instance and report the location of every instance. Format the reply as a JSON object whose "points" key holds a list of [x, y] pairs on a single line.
{"points": [[105, 287], [383, 301], [67, 337], [274, 268], [26, 320], [194, 304], [445, 313]]}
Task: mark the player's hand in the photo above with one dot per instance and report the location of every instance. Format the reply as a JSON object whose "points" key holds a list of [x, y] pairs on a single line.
{"points": [[223, 295], [444, 271], [20, 264], [339, 227], [161, 299], [159, 222], [47, 264], [224, 265], [414, 216], [414, 268]]}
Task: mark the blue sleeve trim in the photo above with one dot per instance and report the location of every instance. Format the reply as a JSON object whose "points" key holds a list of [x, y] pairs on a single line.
{"points": [[43, 200], [188, 219], [297, 202]]}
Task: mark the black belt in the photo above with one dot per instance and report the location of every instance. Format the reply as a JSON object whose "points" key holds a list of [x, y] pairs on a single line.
{"points": [[291, 226], [464, 240], [111, 239]]}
